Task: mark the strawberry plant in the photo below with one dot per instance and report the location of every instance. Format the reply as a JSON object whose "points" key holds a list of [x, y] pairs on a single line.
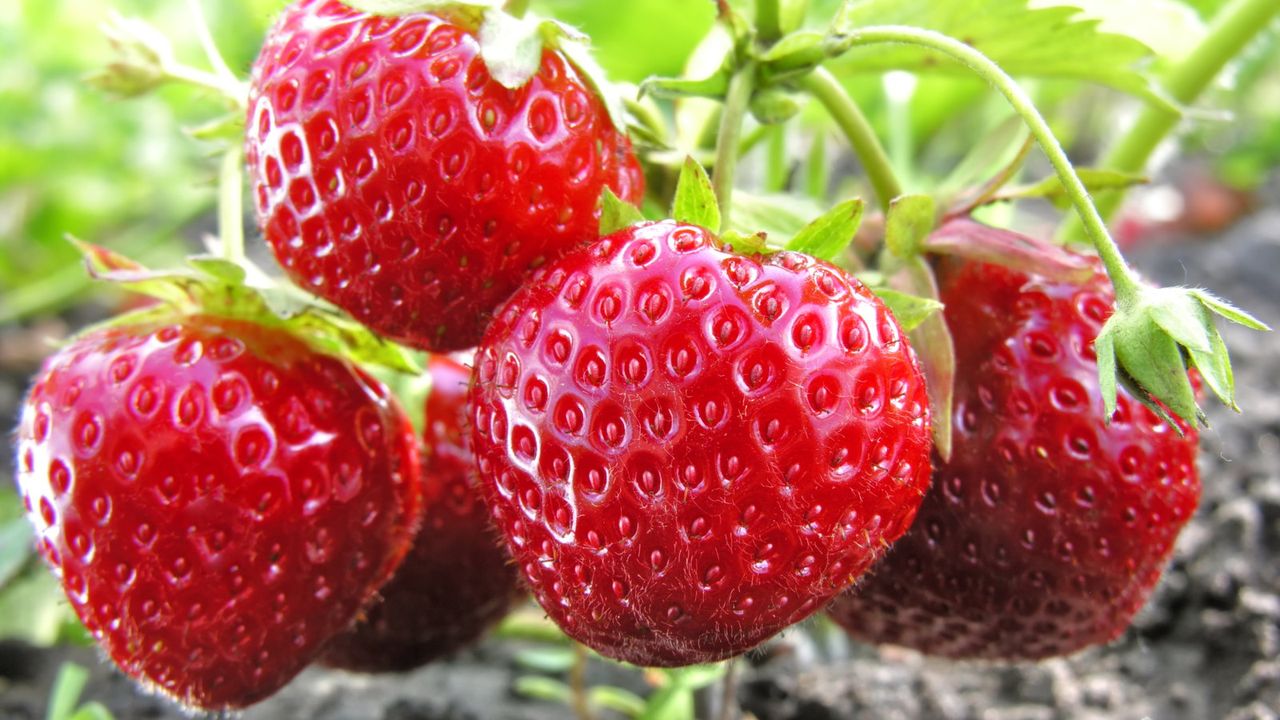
{"points": [[715, 383]]}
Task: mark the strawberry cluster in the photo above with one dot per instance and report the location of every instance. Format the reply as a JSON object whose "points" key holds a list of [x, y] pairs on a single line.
{"points": [[683, 449]]}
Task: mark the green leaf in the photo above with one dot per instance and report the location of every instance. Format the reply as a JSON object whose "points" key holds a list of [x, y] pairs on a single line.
{"points": [[616, 699], [1225, 309], [546, 659], [539, 687], [1095, 180], [616, 214], [1051, 42], [66, 691], [909, 222], [695, 201], [1169, 27], [910, 310], [15, 548], [828, 236]]}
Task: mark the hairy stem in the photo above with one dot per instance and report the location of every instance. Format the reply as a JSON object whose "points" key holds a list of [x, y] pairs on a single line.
{"points": [[735, 109], [729, 692], [1122, 278], [824, 87], [219, 65], [1231, 30]]}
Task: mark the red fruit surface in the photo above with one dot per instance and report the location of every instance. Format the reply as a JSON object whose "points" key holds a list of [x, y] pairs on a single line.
{"points": [[457, 582], [689, 450], [395, 178], [217, 499], [1047, 530]]}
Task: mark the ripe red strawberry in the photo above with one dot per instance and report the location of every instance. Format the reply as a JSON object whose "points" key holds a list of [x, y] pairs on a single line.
{"points": [[457, 581], [689, 450], [1047, 530], [217, 498], [394, 177]]}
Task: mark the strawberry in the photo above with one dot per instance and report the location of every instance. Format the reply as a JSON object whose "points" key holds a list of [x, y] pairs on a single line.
{"points": [[1048, 527], [457, 581], [395, 178], [688, 450], [217, 498]]}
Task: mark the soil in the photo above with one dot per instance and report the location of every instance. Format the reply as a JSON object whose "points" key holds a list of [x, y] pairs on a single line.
{"points": [[1207, 646]]}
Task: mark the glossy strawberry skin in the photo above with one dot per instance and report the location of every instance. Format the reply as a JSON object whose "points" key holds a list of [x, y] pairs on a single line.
{"points": [[457, 582], [395, 178], [1047, 530], [217, 499], [689, 450]]}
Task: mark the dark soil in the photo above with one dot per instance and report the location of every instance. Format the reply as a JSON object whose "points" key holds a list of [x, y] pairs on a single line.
{"points": [[1205, 648]]}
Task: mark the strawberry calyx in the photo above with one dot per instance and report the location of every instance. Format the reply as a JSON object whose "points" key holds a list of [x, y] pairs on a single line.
{"points": [[962, 236], [512, 45], [212, 285]]}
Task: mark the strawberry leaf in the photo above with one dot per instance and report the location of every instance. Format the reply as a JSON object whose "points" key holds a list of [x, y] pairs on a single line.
{"points": [[1171, 28], [908, 223], [695, 202], [1050, 42], [826, 237], [910, 310], [616, 213]]}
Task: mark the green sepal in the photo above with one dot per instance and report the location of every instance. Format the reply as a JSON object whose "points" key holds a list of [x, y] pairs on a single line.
{"points": [[616, 213], [794, 55], [211, 285], [910, 310], [695, 201], [1221, 307], [620, 700], [936, 350], [1145, 353], [827, 237], [471, 12], [539, 687], [908, 223], [747, 243]]}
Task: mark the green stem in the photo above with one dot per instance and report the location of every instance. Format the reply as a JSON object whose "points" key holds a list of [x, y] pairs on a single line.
{"points": [[234, 92], [735, 109], [827, 90], [218, 64], [578, 684], [1122, 278], [1231, 30], [768, 21], [230, 206]]}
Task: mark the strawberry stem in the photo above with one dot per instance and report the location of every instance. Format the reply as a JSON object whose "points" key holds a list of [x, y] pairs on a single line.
{"points": [[219, 65], [735, 109], [230, 205], [768, 21], [1231, 30], [578, 684], [1122, 278], [828, 91]]}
